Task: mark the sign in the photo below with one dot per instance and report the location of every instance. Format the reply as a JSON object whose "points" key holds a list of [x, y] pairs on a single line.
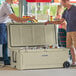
{"points": [[15, 1], [38, 0], [56, 1], [73, 1]]}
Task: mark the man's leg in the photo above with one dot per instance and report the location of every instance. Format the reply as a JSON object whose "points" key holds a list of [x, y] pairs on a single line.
{"points": [[5, 54], [69, 45], [73, 54], [74, 43]]}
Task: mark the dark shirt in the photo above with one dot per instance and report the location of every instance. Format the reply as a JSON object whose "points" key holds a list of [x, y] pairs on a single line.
{"points": [[70, 17]]}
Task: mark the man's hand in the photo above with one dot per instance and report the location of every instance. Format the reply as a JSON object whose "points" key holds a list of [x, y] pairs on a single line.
{"points": [[31, 18], [47, 22]]}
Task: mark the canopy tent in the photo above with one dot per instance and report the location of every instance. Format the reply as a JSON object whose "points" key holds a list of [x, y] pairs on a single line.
{"points": [[38, 0], [73, 1], [55, 1]]}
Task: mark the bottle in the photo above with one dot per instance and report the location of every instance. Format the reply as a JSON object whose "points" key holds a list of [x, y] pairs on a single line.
{"points": [[51, 18]]}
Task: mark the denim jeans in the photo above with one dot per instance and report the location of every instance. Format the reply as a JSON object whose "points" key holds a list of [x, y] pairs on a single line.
{"points": [[5, 54]]}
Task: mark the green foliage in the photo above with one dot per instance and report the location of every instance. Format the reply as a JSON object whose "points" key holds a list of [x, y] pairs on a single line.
{"points": [[53, 9], [16, 10]]}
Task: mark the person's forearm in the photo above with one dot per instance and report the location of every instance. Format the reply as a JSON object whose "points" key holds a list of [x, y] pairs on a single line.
{"points": [[18, 19], [55, 22]]}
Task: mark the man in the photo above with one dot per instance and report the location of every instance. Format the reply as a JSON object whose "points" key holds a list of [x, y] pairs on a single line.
{"points": [[6, 13], [69, 16]]}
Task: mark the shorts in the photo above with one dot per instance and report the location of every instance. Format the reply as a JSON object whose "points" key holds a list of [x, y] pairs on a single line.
{"points": [[71, 39]]}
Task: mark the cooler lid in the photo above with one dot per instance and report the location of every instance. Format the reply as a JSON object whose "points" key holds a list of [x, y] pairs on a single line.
{"points": [[21, 35]]}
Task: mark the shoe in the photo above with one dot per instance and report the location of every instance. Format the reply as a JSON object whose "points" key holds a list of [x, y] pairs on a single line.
{"points": [[74, 64], [6, 62], [6, 66]]}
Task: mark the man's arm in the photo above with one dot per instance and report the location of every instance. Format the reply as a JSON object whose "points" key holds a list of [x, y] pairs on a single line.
{"points": [[18, 19], [55, 22]]}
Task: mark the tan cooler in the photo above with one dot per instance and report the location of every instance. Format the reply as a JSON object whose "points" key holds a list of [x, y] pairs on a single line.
{"points": [[29, 45]]}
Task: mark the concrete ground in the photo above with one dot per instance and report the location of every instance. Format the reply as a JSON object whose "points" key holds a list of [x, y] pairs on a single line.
{"points": [[8, 67], [44, 72], [9, 71]]}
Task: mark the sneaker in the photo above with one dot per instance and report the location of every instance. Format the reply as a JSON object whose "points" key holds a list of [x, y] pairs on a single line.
{"points": [[6, 62], [6, 66], [74, 64]]}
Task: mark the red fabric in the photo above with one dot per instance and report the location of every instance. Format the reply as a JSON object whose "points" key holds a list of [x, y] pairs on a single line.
{"points": [[38, 0], [60, 26]]}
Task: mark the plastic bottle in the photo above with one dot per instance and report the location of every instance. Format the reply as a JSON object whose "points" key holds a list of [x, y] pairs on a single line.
{"points": [[51, 18]]}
